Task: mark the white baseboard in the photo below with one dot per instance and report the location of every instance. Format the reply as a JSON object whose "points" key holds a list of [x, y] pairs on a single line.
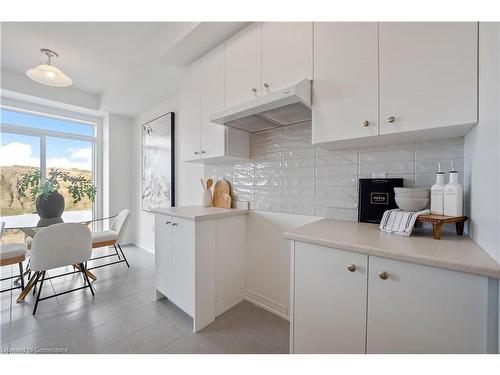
{"points": [[267, 304]]}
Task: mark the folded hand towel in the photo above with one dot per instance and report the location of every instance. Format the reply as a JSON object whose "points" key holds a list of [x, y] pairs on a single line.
{"points": [[400, 222]]}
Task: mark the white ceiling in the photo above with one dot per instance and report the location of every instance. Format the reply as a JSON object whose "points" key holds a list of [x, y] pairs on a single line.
{"points": [[130, 65]]}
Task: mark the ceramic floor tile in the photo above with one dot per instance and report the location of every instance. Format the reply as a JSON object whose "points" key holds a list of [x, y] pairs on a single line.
{"points": [[149, 339], [97, 338], [188, 344], [124, 317]]}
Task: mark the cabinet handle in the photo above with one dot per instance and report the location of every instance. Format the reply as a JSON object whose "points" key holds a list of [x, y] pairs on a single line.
{"points": [[196, 152], [383, 275], [391, 119], [168, 222], [365, 123], [254, 91], [203, 152], [266, 86], [351, 267], [174, 224]]}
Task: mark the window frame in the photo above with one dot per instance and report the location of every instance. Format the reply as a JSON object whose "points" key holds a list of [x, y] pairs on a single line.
{"points": [[95, 140]]}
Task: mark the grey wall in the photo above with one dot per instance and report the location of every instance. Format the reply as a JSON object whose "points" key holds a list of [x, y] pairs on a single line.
{"points": [[288, 174]]}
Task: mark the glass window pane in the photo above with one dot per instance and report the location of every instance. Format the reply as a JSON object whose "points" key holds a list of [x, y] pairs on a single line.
{"points": [[19, 154], [72, 157], [40, 122]]}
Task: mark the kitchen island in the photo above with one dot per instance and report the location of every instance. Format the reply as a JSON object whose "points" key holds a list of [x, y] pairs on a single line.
{"points": [[200, 259]]}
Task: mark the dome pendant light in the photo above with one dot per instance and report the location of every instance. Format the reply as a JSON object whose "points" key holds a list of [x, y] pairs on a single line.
{"points": [[48, 74]]}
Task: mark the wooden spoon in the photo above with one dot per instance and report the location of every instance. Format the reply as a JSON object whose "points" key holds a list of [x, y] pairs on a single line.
{"points": [[209, 183]]}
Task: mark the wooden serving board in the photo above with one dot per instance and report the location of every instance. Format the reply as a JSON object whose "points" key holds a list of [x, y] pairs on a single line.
{"points": [[221, 187], [438, 221], [225, 200]]}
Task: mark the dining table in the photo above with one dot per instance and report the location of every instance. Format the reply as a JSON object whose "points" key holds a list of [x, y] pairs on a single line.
{"points": [[31, 224]]}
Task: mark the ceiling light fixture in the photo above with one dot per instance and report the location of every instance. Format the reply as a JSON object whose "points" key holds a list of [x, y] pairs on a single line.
{"points": [[48, 74]]}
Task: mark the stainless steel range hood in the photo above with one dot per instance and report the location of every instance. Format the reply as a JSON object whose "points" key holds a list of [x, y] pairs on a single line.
{"points": [[286, 107]]}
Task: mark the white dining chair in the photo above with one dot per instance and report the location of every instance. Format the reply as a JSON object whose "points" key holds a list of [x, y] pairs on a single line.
{"points": [[60, 245], [12, 253], [112, 237]]}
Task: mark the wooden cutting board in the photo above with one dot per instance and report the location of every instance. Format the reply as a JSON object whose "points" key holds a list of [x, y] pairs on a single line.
{"points": [[225, 200], [221, 187]]}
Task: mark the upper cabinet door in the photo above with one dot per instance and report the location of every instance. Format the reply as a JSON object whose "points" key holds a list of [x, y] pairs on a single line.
{"points": [[189, 113], [243, 65], [287, 54], [428, 75], [212, 100], [345, 86]]}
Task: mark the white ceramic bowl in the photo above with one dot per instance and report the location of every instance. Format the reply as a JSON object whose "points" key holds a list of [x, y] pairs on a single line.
{"points": [[411, 192], [412, 204]]}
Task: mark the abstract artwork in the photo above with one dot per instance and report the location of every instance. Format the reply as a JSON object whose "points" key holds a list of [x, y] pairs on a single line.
{"points": [[158, 174]]}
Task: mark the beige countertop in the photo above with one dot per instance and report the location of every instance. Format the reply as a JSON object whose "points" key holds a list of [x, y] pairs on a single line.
{"points": [[451, 252], [198, 213]]}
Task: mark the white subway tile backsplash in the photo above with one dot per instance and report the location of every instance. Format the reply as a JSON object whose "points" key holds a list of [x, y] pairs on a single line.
{"points": [[386, 156], [339, 170], [288, 174], [431, 166], [395, 167], [453, 151]]}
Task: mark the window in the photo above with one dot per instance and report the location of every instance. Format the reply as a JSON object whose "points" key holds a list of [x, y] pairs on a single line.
{"points": [[39, 142]]}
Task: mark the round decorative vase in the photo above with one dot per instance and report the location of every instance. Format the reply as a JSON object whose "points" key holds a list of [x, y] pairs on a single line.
{"points": [[50, 208]]}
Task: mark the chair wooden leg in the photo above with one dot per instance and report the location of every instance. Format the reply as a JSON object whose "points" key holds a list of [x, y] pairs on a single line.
{"points": [[26, 290], [86, 276], [39, 292]]}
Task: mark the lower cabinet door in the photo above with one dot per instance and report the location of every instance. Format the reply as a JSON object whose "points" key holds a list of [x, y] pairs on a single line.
{"points": [[329, 313], [419, 309], [163, 254], [183, 266]]}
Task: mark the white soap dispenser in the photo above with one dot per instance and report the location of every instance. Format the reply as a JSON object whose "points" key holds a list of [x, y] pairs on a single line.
{"points": [[437, 193], [453, 195]]}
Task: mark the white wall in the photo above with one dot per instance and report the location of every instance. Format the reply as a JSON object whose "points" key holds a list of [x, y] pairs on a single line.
{"points": [[482, 150], [482, 147], [117, 171], [268, 258], [187, 176]]}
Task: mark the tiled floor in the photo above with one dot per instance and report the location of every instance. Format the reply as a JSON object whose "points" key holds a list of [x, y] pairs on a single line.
{"points": [[124, 317]]}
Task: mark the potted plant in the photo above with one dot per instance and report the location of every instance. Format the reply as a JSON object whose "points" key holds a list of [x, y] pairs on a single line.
{"points": [[49, 203]]}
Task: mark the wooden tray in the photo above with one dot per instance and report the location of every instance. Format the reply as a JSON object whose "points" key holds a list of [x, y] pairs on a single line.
{"points": [[438, 221]]}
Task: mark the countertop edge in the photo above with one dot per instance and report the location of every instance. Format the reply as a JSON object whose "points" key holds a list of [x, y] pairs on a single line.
{"points": [[196, 218], [480, 271]]}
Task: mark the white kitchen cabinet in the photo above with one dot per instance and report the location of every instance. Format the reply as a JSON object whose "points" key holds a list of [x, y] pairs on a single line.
{"points": [[397, 307], [287, 54], [202, 93], [212, 100], [175, 258], [200, 265], [218, 142], [345, 86], [428, 75], [189, 113], [243, 65], [163, 258], [421, 309], [329, 312], [393, 82]]}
